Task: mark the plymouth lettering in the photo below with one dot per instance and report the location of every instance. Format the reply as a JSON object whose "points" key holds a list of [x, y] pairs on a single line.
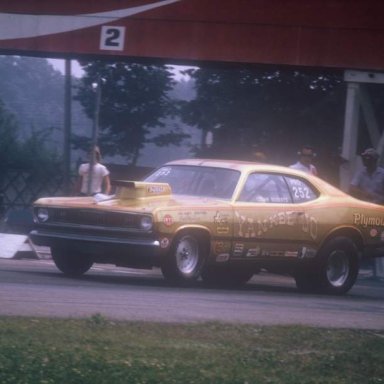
{"points": [[365, 221]]}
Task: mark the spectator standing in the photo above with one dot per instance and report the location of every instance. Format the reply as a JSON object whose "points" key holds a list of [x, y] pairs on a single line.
{"points": [[304, 163], [368, 184], [259, 157], [100, 180]]}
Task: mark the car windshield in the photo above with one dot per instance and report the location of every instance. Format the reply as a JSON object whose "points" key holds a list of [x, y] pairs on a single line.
{"points": [[197, 180]]}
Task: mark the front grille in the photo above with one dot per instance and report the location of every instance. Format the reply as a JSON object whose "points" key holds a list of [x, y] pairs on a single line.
{"points": [[94, 218]]}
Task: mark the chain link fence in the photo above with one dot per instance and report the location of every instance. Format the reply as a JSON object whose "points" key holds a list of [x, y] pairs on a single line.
{"points": [[18, 190]]}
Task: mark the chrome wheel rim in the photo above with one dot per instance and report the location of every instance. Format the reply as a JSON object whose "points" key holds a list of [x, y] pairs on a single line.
{"points": [[338, 268], [187, 255]]}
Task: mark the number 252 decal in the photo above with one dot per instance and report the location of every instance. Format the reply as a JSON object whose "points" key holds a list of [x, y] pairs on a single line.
{"points": [[112, 38], [301, 192]]}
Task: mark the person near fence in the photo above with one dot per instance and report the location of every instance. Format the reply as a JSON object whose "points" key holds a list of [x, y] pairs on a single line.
{"points": [[100, 180], [304, 163], [368, 183]]}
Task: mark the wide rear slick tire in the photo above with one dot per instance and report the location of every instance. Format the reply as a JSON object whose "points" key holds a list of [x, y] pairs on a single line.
{"points": [[71, 263], [335, 271], [184, 262]]}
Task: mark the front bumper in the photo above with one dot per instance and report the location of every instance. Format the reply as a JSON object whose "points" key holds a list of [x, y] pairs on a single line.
{"points": [[130, 252]]}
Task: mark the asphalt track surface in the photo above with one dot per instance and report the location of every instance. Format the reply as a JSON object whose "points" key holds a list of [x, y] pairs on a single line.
{"points": [[37, 288]]}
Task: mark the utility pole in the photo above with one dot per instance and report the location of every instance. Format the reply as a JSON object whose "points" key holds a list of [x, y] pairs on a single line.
{"points": [[67, 127], [95, 131]]}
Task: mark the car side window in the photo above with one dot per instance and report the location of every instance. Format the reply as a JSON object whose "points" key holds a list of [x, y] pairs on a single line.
{"points": [[265, 188], [301, 190], [197, 180]]}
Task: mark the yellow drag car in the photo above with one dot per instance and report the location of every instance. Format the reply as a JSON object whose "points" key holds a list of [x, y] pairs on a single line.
{"points": [[219, 220]]}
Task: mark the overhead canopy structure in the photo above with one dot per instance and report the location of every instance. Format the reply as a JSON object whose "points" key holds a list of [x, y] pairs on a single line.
{"points": [[321, 33], [346, 34]]}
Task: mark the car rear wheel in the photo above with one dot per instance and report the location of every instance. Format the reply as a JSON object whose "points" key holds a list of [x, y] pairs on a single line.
{"points": [[336, 271], [71, 263], [184, 262], [225, 276]]}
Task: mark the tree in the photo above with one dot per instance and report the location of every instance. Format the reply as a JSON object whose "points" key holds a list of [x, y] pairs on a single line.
{"points": [[276, 110], [24, 154], [34, 92], [134, 99], [226, 104], [9, 146]]}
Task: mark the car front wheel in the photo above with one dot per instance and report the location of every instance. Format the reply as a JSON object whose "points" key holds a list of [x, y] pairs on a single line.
{"points": [[69, 262], [185, 260]]}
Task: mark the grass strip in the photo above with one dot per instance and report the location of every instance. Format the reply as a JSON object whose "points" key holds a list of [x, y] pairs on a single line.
{"points": [[99, 350]]}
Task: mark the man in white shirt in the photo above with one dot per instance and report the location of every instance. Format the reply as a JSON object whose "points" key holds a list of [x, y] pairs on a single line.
{"points": [[306, 155]]}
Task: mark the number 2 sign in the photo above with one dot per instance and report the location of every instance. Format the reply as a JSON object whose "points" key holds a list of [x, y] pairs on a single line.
{"points": [[112, 38]]}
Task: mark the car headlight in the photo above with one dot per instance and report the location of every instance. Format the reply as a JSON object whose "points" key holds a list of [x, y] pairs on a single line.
{"points": [[146, 223], [42, 214]]}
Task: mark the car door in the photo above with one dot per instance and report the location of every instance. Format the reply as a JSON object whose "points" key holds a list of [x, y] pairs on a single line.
{"points": [[270, 218]]}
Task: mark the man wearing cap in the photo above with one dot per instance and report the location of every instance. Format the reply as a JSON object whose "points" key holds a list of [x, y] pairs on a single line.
{"points": [[304, 164], [368, 184]]}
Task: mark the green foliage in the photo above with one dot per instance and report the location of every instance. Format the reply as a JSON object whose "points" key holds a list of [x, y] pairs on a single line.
{"points": [[9, 146], [98, 350], [31, 100], [36, 157], [134, 98], [275, 110], [34, 93], [28, 154], [97, 320]]}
